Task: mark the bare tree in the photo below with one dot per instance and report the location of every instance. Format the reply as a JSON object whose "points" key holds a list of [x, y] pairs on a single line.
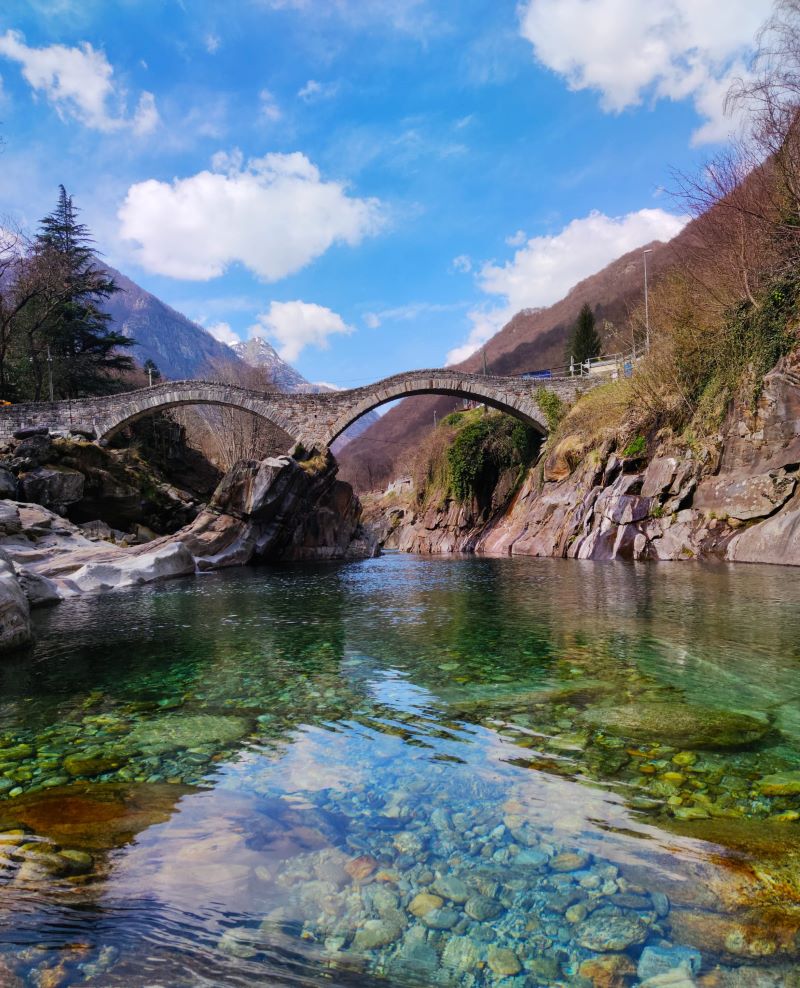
{"points": [[225, 435]]}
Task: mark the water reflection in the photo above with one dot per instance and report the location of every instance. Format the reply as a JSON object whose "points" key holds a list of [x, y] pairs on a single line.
{"points": [[392, 770]]}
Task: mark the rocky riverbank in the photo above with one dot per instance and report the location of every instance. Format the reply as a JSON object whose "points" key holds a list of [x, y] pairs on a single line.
{"points": [[276, 509], [735, 499]]}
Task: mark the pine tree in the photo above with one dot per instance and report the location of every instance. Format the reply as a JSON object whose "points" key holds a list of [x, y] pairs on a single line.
{"points": [[72, 342], [151, 369], [584, 342]]}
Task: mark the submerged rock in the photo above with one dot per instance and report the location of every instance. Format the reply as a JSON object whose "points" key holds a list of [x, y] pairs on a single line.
{"points": [[95, 762], [609, 971], [99, 815], [661, 960], [607, 930], [378, 933], [679, 725], [424, 903], [750, 934], [780, 784], [504, 962], [178, 730], [482, 908]]}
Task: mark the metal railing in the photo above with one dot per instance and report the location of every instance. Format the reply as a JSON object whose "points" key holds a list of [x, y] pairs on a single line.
{"points": [[612, 365]]}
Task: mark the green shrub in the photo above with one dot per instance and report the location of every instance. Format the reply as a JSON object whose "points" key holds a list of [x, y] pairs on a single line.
{"points": [[551, 405], [483, 449], [636, 448]]}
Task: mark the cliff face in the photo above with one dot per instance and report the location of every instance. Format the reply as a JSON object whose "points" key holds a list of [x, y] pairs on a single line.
{"points": [[740, 504]]}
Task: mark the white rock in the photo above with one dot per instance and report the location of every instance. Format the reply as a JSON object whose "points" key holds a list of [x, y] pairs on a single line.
{"points": [[130, 570]]}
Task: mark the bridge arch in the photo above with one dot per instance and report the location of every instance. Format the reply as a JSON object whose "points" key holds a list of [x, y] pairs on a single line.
{"points": [[516, 402], [174, 395]]}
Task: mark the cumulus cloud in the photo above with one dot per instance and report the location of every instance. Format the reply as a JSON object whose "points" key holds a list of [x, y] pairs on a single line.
{"points": [[546, 268], [222, 331], [372, 320], [273, 214], [462, 264], [296, 325], [516, 239], [628, 50], [78, 83], [212, 43]]}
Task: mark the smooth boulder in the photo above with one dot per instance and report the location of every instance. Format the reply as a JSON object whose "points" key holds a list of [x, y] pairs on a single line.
{"points": [[15, 614], [130, 570], [679, 725]]}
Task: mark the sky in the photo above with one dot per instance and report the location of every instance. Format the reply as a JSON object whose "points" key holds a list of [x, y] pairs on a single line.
{"points": [[371, 185]]}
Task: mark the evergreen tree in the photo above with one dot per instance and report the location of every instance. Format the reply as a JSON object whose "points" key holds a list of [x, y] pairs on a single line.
{"points": [[584, 342], [152, 371], [69, 339]]}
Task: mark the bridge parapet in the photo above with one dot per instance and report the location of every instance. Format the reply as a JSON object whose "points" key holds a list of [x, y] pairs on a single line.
{"points": [[312, 419]]}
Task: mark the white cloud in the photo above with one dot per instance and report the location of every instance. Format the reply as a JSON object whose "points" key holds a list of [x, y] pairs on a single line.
{"points": [[517, 239], [222, 331], [78, 83], [629, 50], [409, 312], [328, 385], [296, 325], [462, 264], [314, 92], [146, 118], [269, 106], [273, 214], [546, 268], [212, 43]]}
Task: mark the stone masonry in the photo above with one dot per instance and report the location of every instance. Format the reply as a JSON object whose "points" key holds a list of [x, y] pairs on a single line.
{"points": [[314, 420]]}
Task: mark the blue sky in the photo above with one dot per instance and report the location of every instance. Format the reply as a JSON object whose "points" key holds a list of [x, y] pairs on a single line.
{"points": [[373, 185]]}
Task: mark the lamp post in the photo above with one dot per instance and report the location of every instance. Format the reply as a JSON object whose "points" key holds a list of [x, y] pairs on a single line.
{"points": [[646, 304], [50, 370]]}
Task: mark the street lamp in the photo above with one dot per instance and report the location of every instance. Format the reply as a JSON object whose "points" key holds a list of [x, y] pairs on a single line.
{"points": [[646, 305]]}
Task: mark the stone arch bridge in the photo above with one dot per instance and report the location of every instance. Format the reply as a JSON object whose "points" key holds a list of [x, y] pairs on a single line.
{"points": [[314, 420]]}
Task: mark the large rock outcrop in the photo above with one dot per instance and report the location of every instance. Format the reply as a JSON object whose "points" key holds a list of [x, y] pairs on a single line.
{"points": [[740, 504], [15, 618], [275, 509], [82, 481]]}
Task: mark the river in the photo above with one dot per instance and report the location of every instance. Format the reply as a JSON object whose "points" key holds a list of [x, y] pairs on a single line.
{"points": [[407, 771]]}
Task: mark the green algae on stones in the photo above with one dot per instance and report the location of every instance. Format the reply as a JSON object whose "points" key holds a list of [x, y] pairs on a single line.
{"points": [[94, 762], [679, 725], [780, 784], [160, 735]]}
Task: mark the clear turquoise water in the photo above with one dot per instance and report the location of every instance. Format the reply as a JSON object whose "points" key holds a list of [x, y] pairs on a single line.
{"points": [[277, 763]]}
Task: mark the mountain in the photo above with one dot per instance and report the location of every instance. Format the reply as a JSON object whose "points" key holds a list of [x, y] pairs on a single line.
{"points": [[180, 348], [534, 339], [256, 352]]}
